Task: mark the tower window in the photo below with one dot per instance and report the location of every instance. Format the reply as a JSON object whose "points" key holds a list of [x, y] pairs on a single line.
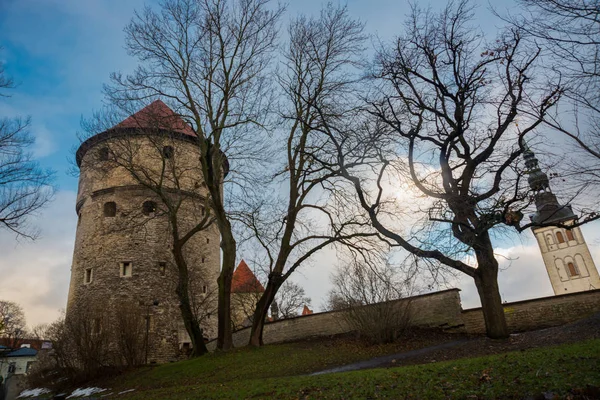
{"points": [[559, 237], [570, 235], [126, 269], [162, 268], [207, 240], [167, 152], [148, 207], [110, 209], [103, 154], [203, 259], [572, 269], [204, 289], [87, 276]]}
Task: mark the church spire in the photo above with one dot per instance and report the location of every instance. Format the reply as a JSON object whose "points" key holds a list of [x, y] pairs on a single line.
{"points": [[548, 207]]}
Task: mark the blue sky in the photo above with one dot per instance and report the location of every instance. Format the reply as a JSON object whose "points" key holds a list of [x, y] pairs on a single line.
{"points": [[61, 52]]}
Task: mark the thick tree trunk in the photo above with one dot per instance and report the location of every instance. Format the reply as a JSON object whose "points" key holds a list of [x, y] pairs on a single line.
{"points": [[486, 280], [261, 312], [191, 324], [228, 246]]}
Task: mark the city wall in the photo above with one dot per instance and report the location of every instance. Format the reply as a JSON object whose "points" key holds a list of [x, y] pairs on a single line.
{"points": [[439, 310]]}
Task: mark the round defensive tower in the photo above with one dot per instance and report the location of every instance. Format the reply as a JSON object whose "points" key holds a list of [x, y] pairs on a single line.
{"points": [[123, 275]]}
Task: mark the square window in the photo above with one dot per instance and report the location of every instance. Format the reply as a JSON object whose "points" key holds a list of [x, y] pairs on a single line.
{"points": [[110, 209], [126, 269], [87, 276]]}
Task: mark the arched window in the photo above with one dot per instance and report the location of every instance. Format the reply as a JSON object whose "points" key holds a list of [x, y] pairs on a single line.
{"points": [[110, 209], [570, 235], [549, 239], [572, 269], [559, 237], [167, 152], [148, 207]]}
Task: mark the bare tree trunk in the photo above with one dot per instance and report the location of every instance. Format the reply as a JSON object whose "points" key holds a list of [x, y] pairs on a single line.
{"points": [[486, 280], [262, 310], [182, 290], [228, 246]]}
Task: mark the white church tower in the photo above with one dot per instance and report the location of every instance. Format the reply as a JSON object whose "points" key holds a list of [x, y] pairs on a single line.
{"points": [[566, 255]]}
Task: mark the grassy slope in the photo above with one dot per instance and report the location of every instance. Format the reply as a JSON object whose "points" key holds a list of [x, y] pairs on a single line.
{"points": [[265, 373]]}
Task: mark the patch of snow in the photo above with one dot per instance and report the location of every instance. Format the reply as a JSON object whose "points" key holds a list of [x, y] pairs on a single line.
{"points": [[85, 392], [32, 393], [126, 391]]}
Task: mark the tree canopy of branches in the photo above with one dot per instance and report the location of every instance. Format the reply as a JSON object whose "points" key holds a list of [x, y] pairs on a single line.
{"points": [[290, 299], [570, 32], [210, 60], [366, 292], [317, 80], [12, 322], [25, 187], [443, 123]]}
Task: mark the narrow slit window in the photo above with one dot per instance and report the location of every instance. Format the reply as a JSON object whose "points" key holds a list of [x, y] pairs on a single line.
{"points": [[207, 240], [570, 235], [204, 289], [110, 209], [203, 259], [126, 269], [559, 237], [87, 277], [162, 268]]}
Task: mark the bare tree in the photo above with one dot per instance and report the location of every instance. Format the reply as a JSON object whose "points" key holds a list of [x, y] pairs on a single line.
{"points": [[210, 60], [368, 293], [318, 79], [290, 299], [25, 187], [130, 333], [443, 124], [12, 322]]}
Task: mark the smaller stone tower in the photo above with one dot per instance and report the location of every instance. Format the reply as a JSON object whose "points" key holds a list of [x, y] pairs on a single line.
{"points": [[246, 290], [566, 255]]}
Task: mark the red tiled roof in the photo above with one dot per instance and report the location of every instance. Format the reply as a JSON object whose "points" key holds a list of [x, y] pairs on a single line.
{"points": [[306, 310], [244, 280], [157, 115]]}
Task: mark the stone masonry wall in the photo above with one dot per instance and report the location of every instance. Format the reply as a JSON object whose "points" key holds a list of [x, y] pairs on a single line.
{"points": [[440, 309], [539, 313]]}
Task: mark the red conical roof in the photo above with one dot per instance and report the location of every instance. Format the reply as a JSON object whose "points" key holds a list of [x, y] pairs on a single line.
{"points": [[157, 115], [306, 310], [244, 280]]}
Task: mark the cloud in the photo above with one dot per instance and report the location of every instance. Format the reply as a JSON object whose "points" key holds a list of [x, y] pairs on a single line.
{"points": [[36, 274]]}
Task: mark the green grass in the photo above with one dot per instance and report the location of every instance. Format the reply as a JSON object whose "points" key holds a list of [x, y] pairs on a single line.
{"points": [[267, 373]]}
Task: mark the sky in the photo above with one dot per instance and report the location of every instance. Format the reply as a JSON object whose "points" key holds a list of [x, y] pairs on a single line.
{"points": [[61, 52]]}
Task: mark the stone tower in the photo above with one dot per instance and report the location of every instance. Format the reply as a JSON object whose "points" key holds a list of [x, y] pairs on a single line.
{"points": [[123, 275], [566, 255]]}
